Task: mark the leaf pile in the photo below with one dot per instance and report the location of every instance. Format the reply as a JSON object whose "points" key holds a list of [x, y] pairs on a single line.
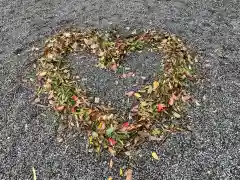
{"points": [[160, 101]]}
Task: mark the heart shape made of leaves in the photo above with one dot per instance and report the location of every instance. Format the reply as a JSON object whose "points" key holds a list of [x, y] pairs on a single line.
{"points": [[163, 99]]}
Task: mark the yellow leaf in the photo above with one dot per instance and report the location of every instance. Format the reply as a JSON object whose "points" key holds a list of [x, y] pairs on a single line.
{"points": [[121, 172], [155, 85], [34, 173], [137, 95], [155, 156], [143, 103], [110, 178], [42, 73]]}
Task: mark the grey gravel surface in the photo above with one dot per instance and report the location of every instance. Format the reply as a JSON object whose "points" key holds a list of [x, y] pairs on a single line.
{"points": [[28, 132]]}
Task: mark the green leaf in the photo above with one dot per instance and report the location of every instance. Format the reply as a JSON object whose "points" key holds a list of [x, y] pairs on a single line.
{"points": [[109, 131]]}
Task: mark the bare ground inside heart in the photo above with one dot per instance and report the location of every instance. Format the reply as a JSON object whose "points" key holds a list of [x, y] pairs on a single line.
{"points": [[109, 88]]}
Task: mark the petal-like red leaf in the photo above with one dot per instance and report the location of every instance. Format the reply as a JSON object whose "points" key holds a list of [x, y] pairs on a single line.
{"points": [[111, 141], [75, 98], [161, 107]]}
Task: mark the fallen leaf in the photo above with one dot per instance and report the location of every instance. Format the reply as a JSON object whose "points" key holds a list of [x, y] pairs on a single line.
{"points": [[94, 46], [101, 126], [172, 99], [111, 141], [37, 100], [197, 103], [155, 85], [42, 74], [126, 124], [127, 75], [94, 134], [110, 163], [120, 172], [150, 89], [109, 131], [130, 93], [161, 107], [134, 108], [155, 156], [128, 174], [143, 103], [137, 95], [34, 173], [175, 114], [110, 178], [96, 100], [87, 41], [59, 108], [75, 98], [156, 132], [113, 67], [112, 151]]}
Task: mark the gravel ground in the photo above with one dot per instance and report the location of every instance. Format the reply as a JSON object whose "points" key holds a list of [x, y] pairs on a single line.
{"points": [[28, 132]]}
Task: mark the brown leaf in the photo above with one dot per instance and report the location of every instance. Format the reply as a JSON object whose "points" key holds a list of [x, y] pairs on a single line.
{"points": [[128, 174]]}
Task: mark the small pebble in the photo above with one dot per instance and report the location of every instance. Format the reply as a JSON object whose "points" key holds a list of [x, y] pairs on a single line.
{"points": [[97, 99]]}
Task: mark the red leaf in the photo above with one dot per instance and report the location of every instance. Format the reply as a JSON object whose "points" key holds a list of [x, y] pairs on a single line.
{"points": [[161, 107], [75, 98], [126, 124], [111, 141], [73, 110]]}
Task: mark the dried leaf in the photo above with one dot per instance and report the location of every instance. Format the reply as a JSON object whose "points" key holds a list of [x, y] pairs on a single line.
{"points": [[96, 100], [143, 103], [130, 93], [37, 100], [155, 85], [34, 173], [42, 74], [87, 41], [150, 89], [113, 67], [110, 163], [110, 178], [137, 95], [59, 108], [134, 109], [112, 151], [175, 114], [128, 174], [156, 132], [155, 156]]}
